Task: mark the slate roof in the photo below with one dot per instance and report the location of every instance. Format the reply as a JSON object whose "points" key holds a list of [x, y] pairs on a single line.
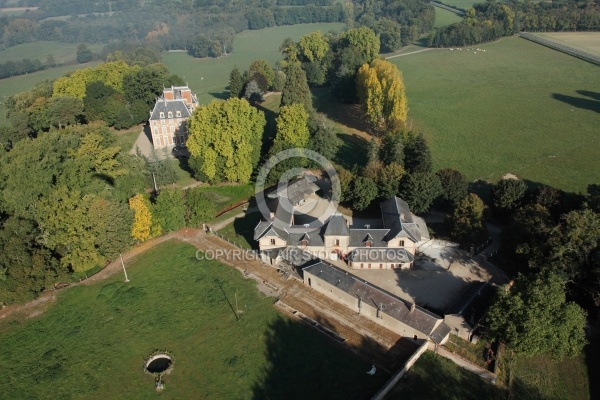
{"points": [[473, 302], [314, 238], [296, 190], [440, 333], [396, 217], [358, 237], [418, 319], [337, 226], [166, 106], [381, 254]]}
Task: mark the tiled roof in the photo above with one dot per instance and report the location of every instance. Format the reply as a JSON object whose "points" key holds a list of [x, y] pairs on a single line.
{"points": [[417, 318], [337, 226]]}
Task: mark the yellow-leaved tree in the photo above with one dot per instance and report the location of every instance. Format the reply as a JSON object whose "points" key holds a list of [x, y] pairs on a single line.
{"points": [[142, 228], [110, 73], [382, 94]]}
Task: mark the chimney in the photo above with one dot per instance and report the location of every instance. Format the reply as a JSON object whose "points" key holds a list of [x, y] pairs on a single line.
{"points": [[272, 215], [367, 226], [412, 306]]}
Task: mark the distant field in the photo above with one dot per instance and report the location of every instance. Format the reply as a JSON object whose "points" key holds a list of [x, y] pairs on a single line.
{"points": [[12, 11], [62, 52], [518, 107], [18, 84], [584, 41], [93, 341], [209, 77], [462, 4], [445, 18]]}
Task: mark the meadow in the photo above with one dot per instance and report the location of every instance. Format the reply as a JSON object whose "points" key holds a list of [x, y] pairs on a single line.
{"points": [[62, 52], [209, 77], [445, 17], [23, 83], [584, 41], [518, 108], [461, 4], [93, 341]]}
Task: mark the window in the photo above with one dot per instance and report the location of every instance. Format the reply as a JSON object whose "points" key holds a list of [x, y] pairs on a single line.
{"points": [[362, 265], [368, 243], [304, 243], [369, 265], [337, 242], [272, 241], [162, 121], [170, 114], [164, 130], [380, 266], [178, 114], [162, 114], [401, 243], [172, 129]]}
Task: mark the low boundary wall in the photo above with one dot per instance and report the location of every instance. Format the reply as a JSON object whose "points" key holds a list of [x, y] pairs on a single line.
{"points": [[389, 385]]}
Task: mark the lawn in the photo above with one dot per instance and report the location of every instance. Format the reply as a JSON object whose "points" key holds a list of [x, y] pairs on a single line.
{"points": [[227, 195], [445, 17], [584, 41], [518, 107], [241, 231], [461, 4], [209, 77], [92, 343], [62, 52], [544, 378], [434, 377], [23, 83]]}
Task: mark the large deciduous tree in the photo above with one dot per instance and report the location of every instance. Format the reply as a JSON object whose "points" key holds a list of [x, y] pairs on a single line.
{"points": [[467, 220], [454, 185], [199, 206], [169, 210], [417, 156], [420, 189], [382, 94], [141, 229], [534, 317], [225, 139], [508, 194], [363, 192]]}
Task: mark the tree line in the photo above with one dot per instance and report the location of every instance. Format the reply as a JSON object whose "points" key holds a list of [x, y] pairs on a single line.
{"points": [[491, 20]]}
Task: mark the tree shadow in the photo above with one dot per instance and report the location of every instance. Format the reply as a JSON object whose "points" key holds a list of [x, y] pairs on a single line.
{"points": [[269, 131], [245, 225], [304, 364], [349, 115], [224, 95], [587, 93], [591, 350], [592, 104], [353, 151]]}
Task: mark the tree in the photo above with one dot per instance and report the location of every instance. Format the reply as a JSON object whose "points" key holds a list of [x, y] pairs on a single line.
{"points": [[313, 46], [387, 177], [467, 220], [226, 137], [454, 185], [507, 195], [111, 226], [169, 210], [373, 151], [364, 40], [292, 129], [236, 83], [534, 317], [253, 93], [419, 190], [200, 207], [392, 149], [346, 178], [324, 139], [417, 156], [364, 191], [279, 82], [84, 54], [381, 93], [296, 88], [63, 111], [141, 229], [264, 69], [66, 228], [389, 35]]}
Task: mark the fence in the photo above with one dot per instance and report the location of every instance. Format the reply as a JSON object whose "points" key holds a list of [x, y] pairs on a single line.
{"points": [[565, 49], [396, 377], [231, 242]]}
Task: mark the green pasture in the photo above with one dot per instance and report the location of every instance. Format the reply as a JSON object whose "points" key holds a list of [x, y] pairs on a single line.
{"points": [[92, 343], [461, 4], [62, 52], [209, 77], [23, 83], [584, 41], [518, 107], [445, 18]]}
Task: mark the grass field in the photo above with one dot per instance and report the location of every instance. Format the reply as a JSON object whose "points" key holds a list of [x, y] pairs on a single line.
{"points": [[209, 77], [518, 107], [462, 4], [93, 341], [228, 195], [445, 17], [23, 83], [434, 377], [584, 41], [541, 378], [241, 231], [62, 52]]}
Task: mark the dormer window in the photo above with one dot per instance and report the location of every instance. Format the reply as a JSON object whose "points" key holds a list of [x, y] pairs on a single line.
{"points": [[162, 114], [304, 243], [368, 243], [337, 242], [178, 114], [170, 114]]}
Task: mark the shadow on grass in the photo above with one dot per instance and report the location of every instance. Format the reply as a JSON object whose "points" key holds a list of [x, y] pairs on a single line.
{"points": [[224, 95], [303, 364], [592, 104], [269, 131], [349, 115], [434, 377], [353, 151], [243, 228]]}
